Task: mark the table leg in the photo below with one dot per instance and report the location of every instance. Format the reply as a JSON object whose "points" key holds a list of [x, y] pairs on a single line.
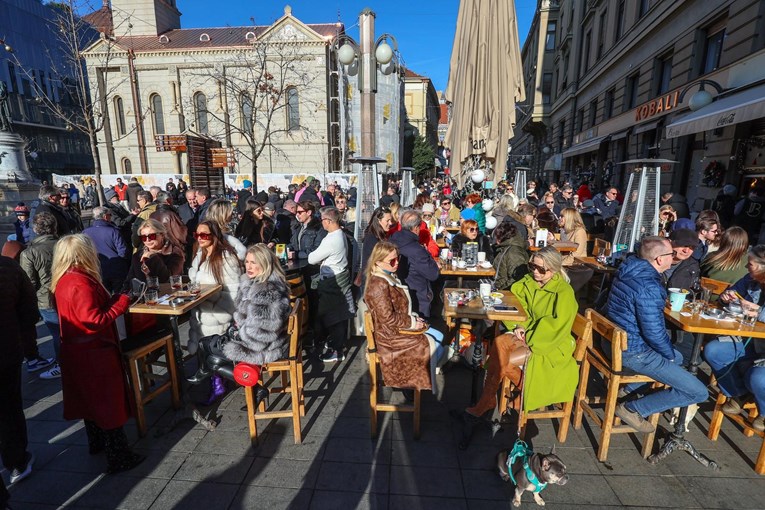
{"points": [[676, 440], [459, 282]]}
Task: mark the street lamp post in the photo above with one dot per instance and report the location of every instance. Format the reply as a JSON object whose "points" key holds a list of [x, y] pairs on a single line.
{"points": [[367, 56]]}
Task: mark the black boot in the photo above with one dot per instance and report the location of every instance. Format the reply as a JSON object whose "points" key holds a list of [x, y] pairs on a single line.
{"points": [[119, 456], [95, 438], [261, 394]]}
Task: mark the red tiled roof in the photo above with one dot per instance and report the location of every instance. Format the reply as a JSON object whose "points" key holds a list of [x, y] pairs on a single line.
{"points": [[411, 74], [101, 20]]}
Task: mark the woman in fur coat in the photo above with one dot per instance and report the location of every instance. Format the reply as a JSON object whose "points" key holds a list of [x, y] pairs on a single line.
{"points": [[262, 309], [215, 262]]}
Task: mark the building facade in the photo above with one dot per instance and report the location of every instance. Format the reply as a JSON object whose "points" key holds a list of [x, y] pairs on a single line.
{"points": [[422, 106], [274, 94], [623, 77], [32, 70]]}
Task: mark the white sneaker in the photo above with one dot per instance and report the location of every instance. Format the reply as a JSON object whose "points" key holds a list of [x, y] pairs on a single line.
{"points": [[53, 373], [18, 474], [39, 363]]}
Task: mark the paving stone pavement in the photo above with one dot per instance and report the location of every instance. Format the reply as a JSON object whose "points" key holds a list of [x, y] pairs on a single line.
{"points": [[339, 466]]}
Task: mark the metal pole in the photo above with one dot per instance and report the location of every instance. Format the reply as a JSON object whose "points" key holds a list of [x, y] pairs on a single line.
{"points": [[368, 82]]}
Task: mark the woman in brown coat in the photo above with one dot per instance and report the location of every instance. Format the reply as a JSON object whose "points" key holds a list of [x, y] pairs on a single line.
{"points": [[408, 348]]}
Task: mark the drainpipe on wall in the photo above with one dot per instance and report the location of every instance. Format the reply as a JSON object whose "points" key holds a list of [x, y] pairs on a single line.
{"points": [[137, 113]]}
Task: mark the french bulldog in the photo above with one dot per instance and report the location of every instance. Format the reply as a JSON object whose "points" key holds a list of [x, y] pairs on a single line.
{"points": [[547, 468]]}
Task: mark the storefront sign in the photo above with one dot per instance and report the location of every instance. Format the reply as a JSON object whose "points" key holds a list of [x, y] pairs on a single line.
{"points": [[656, 106]]}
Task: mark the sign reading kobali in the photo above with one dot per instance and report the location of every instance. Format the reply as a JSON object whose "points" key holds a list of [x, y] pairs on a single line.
{"points": [[656, 106]]}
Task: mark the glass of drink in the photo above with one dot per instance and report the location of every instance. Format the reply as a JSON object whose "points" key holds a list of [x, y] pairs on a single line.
{"points": [[195, 288], [176, 282], [152, 296], [751, 312], [152, 282]]}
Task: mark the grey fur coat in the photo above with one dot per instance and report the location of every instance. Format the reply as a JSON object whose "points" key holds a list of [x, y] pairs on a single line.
{"points": [[261, 314]]}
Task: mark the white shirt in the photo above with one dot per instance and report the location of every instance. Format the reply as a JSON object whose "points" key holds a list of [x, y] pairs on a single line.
{"points": [[331, 254]]}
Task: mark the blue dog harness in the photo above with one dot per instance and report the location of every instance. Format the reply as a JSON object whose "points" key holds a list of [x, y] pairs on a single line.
{"points": [[522, 451]]}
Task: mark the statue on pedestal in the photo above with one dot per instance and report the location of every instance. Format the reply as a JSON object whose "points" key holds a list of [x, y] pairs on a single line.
{"points": [[5, 111]]}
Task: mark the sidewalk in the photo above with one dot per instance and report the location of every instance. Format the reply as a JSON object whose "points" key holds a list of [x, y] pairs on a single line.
{"points": [[338, 466]]}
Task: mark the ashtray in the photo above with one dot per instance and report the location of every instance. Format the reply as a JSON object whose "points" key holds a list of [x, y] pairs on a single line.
{"points": [[715, 313]]}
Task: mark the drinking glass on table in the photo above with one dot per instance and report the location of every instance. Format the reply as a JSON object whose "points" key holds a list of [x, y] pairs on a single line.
{"points": [[195, 288], [152, 297], [176, 282], [751, 312], [152, 282]]}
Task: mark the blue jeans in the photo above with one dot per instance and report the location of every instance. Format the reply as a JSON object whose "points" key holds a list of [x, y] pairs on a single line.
{"points": [[50, 317], [684, 388], [439, 338], [733, 365]]}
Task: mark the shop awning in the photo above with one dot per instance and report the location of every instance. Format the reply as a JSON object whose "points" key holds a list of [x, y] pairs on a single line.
{"points": [[739, 107], [581, 148], [646, 126], [619, 135]]}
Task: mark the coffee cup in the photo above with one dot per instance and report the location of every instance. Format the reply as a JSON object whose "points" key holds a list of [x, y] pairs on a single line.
{"points": [[444, 253], [484, 289], [461, 264], [481, 256], [677, 298]]}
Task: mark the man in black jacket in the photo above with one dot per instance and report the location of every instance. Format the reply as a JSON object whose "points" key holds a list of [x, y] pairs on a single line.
{"points": [[49, 203], [18, 313], [685, 269]]}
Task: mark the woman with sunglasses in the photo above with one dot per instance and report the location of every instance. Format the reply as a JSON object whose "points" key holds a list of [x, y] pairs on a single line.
{"points": [[473, 210], [446, 212], [73, 218], [157, 257], [667, 217], [256, 226], [215, 262], [92, 375], [378, 229], [408, 348], [541, 346], [221, 211], [469, 233]]}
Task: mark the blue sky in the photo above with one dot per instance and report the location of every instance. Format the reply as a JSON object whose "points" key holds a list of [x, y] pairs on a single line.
{"points": [[424, 29]]}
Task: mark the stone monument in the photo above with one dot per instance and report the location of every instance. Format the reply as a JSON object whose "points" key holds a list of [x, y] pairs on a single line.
{"points": [[16, 182]]}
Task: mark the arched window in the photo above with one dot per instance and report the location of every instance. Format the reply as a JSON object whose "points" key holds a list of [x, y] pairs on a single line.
{"points": [[127, 167], [119, 115], [157, 114], [293, 109], [247, 114], [200, 108]]}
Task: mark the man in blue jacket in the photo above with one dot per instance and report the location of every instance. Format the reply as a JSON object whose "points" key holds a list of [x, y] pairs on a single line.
{"points": [[636, 304], [112, 251]]}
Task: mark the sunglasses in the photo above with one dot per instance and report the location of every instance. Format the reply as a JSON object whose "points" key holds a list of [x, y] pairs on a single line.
{"points": [[204, 236], [392, 262], [427, 215], [473, 229], [446, 203], [534, 267], [549, 202], [148, 237]]}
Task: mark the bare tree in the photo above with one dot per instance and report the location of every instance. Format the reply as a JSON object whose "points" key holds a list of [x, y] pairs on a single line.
{"points": [[70, 98], [261, 91]]}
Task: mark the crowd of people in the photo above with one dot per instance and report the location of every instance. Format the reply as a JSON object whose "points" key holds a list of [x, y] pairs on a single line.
{"points": [[79, 282]]}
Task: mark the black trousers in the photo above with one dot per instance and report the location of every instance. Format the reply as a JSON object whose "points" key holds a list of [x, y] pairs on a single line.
{"points": [[334, 334], [13, 426]]}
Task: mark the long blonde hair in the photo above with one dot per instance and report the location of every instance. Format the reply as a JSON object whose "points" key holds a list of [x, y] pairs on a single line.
{"points": [[267, 261], [74, 251], [220, 211], [553, 261], [572, 220], [734, 243], [379, 252]]}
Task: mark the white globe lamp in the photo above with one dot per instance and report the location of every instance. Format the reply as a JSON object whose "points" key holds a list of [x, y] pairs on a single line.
{"points": [[384, 53], [478, 176], [346, 54], [487, 204], [491, 222], [699, 100]]}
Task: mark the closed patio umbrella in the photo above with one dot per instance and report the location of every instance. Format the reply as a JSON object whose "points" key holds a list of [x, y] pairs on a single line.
{"points": [[485, 83]]}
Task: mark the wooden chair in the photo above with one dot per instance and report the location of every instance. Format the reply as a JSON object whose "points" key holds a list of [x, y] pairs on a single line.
{"points": [[599, 244], [745, 422], [291, 371], [298, 291], [615, 377], [141, 361], [582, 331], [716, 286], [374, 405]]}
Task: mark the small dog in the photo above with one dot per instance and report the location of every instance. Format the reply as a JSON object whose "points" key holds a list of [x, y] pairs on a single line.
{"points": [[545, 468], [675, 415]]}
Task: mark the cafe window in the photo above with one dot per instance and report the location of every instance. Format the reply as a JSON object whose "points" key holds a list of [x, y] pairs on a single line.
{"points": [[119, 115], [157, 115], [200, 110], [619, 32], [602, 34], [712, 51], [247, 114], [550, 37], [127, 167], [663, 74], [580, 120], [587, 47], [564, 80], [631, 92], [293, 109], [547, 88]]}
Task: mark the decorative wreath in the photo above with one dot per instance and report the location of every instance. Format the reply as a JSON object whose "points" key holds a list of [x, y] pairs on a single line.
{"points": [[714, 174]]}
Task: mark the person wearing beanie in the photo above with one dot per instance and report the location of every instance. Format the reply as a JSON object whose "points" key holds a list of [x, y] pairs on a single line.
{"points": [[24, 232], [684, 269], [242, 195]]}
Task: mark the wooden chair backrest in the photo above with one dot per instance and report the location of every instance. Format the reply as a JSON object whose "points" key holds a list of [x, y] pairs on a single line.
{"points": [[601, 243], [298, 291], [293, 327], [369, 330], [582, 331], [716, 286], [611, 333]]}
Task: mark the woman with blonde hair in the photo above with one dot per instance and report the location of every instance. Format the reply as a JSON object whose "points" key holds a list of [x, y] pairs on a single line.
{"points": [[573, 230], [409, 349], [667, 218], [92, 375], [728, 263], [221, 211], [158, 256], [542, 343]]}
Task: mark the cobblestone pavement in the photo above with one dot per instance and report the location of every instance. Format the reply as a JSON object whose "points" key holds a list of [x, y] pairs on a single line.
{"points": [[338, 466]]}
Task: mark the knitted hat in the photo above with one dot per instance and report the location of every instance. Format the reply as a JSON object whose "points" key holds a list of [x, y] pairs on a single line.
{"points": [[269, 207], [428, 208], [21, 209], [247, 183]]}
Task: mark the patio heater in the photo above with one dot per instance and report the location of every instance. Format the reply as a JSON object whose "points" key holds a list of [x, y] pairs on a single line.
{"points": [[407, 186], [640, 210], [368, 195], [520, 181]]}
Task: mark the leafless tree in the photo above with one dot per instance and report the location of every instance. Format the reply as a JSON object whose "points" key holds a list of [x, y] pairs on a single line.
{"points": [[258, 91], [70, 98]]}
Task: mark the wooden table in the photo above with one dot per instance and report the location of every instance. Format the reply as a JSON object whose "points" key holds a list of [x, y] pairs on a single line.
{"points": [[699, 326], [453, 229], [605, 271], [469, 272], [475, 310], [561, 246]]}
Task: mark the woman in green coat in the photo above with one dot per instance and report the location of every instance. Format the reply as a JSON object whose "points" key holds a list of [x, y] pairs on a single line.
{"points": [[543, 342]]}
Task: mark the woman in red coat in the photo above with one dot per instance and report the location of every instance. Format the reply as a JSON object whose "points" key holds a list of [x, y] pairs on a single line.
{"points": [[92, 375]]}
